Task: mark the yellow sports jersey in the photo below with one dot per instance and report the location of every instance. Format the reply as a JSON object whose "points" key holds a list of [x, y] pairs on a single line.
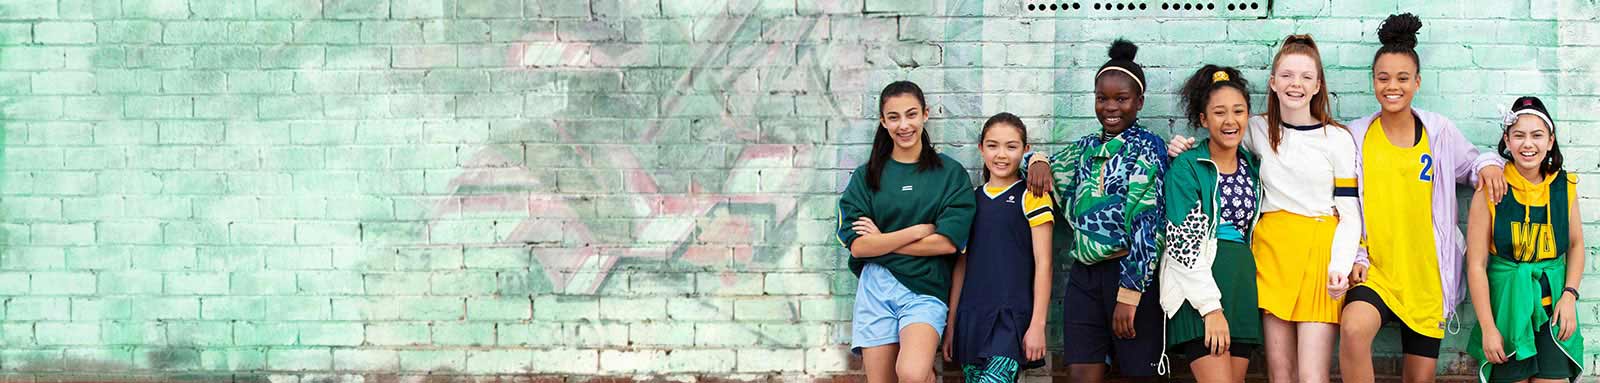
{"points": [[1039, 210], [1398, 209], [1541, 233]]}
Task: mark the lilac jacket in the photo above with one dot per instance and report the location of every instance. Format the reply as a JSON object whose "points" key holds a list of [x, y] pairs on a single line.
{"points": [[1456, 159]]}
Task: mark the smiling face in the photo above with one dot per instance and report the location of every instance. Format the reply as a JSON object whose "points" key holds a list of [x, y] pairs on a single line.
{"points": [[1116, 101], [1395, 82], [903, 117], [1227, 113], [1529, 141], [1002, 149], [1295, 81]]}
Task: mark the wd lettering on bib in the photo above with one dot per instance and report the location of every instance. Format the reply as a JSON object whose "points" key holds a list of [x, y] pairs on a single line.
{"points": [[1539, 235], [905, 188]]}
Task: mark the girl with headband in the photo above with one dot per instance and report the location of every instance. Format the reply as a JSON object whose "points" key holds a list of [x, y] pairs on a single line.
{"points": [[1525, 259], [1109, 185]]}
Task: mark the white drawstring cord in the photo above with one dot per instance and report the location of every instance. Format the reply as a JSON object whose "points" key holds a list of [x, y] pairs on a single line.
{"points": [[1163, 365]]}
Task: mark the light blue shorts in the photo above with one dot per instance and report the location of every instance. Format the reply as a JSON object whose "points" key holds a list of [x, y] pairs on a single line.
{"points": [[884, 306]]}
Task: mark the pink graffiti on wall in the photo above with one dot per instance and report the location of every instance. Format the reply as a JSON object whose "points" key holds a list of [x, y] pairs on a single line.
{"points": [[579, 260]]}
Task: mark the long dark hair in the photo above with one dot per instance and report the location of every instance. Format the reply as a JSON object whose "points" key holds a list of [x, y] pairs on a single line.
{"points": [[883, 144], [1399, 36], [1196, 92], [1553, 158], [1320, 107], [1002, 118]]}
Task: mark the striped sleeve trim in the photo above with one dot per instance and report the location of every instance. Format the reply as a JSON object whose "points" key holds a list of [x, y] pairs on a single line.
{"points": [[1038, 210], [1345, 187]]}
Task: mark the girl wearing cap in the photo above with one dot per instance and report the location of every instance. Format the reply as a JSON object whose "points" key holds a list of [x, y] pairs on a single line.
{"points": [[1109, 185], [1525, 259], [1409, 162]]}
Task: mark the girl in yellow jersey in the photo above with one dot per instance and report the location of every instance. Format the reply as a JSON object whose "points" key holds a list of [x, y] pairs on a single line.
{"points": [[1408, 162]]}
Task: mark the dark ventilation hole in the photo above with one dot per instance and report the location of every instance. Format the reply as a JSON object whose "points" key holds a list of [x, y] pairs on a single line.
{"points": [[1230, 7], [1188, 7], [1119, 6], [1030, 7], [1142, 6], [1096, 6], [1254, 6], [1075, 6], [1063, 6], [1211, 6], [1052, 7]]}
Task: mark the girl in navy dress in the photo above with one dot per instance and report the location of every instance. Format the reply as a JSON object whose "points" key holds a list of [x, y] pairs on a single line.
{"points": [[997, 323]]}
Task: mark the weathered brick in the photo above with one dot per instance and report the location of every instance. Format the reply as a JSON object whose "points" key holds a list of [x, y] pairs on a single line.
{"points": [[355, 9], [289, 9], [299, 359], [490, 361], [490, 9], [66, 334], [432, 360], [568, 361], [155, 9], [366, 360]]}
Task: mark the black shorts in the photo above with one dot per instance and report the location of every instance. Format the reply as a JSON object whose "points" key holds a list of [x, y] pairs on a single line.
{"points": [[1411, 342], [1195, 349], [1088, 306]]}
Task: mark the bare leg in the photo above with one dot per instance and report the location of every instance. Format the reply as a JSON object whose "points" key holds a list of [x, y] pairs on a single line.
{"points": [[917, 345], [1213, 369], [1240, 366], [1316, 350], [1088, 372], [1417, 369], [1280, 343], [879, 363], [1358, 325]]}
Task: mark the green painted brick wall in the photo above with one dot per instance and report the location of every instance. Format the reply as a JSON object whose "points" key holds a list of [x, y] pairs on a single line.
{"points": [[318, 190]]}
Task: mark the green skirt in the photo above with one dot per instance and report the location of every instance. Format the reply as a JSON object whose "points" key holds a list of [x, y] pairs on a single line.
{"points": [[1235, 273]]}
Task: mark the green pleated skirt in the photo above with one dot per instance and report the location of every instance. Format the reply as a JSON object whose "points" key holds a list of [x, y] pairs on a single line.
{"points": [[1235, 273]]}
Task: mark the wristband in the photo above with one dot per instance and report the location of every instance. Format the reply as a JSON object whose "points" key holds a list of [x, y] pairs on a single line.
{"points": [[1572, 291]]}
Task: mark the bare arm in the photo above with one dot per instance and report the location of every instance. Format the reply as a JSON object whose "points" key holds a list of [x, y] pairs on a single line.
{"points": [[877, 244], [1479, 227], [1041, 274], [957, 278], [1575, 249], [933, 245]]}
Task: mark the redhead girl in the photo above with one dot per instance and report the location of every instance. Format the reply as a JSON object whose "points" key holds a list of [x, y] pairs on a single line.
{"points": [[1310, 227]]}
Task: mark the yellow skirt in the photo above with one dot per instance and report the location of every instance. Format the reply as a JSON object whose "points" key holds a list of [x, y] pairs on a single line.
{"points": [[1292, 253]]}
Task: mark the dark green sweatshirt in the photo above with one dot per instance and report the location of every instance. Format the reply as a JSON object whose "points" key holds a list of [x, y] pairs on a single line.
{"points": [[907, 197]]}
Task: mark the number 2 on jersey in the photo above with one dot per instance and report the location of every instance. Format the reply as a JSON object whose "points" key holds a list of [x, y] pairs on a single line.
{"points": [[1427, 168]]}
